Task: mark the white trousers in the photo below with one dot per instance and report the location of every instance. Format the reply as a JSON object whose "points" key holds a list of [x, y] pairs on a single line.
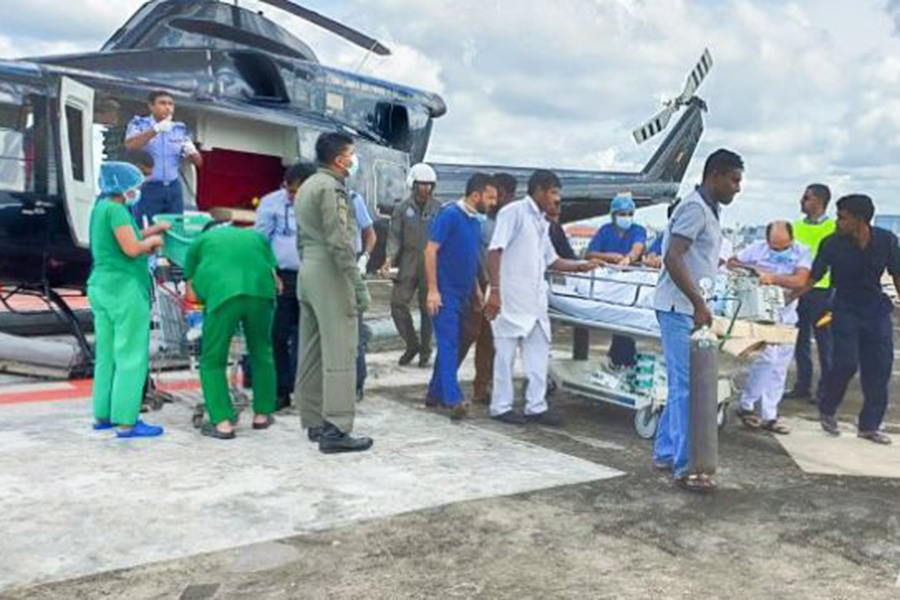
{"points": [[536, 361], [765, 382]]}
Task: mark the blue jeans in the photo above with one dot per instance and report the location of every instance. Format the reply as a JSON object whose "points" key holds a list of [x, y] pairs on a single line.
{"points": [[672, 443], [158, 198], [447, 323], [862, 341]]}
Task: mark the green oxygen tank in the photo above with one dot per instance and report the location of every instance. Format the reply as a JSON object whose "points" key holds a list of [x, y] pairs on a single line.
{"points": [[704, 399]]}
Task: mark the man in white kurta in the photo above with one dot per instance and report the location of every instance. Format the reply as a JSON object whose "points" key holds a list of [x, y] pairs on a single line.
{"points": [[522, 247], [784, 263]]}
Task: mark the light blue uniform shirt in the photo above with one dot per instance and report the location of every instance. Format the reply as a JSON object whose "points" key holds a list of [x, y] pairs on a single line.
{"points": [[275, 221], [165, 148], [363, 219]]}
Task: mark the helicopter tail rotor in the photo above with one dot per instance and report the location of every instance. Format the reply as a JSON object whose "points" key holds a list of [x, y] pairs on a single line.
{"points": [[661, 120]]}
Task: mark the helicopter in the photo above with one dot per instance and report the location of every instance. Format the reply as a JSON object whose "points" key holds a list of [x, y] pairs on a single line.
{"points": [[255, 98]]}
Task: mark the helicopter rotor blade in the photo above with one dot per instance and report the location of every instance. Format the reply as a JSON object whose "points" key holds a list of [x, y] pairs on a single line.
{"points": [[696, 77], [655, 125], [661, 120], [348, 33]]}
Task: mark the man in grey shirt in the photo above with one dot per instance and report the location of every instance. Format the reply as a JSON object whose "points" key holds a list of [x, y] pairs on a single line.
{"points": [[691, 247]]}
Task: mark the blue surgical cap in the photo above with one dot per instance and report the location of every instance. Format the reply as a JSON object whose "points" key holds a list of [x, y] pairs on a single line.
{"points": [[118, 178], [622, 203]]}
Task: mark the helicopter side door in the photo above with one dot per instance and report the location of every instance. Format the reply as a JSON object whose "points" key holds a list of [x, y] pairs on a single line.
{"points": [[76, 119]]}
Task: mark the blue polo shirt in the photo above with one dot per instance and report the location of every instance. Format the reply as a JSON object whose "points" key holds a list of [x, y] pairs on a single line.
{"points": [[607, 239], [656, 246], [458, 234]]}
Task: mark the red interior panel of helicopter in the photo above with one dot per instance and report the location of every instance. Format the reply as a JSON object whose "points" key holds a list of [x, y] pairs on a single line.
{"points": [[232, 179]]}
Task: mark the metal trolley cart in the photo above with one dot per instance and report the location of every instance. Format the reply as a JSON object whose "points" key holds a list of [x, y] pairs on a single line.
{"points": [[643, 388]]}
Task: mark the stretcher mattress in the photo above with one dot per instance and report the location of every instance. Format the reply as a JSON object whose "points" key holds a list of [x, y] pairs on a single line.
{"points": [[614, 300]]}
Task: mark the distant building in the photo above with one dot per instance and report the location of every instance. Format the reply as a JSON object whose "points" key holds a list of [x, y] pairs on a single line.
{"points": [[889, 222], [580, 235]]}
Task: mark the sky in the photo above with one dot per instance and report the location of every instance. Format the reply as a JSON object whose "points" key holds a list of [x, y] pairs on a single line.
{"points": [[806, 91]]}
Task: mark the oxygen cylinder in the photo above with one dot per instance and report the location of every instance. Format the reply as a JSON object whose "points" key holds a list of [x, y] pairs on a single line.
{"points": [[703, 422]]}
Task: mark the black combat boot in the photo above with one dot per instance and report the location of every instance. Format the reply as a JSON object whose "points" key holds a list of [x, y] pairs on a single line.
{"points": [[334, 441]]}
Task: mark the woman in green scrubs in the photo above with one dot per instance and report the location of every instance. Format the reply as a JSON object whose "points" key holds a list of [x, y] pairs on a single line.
{"points": [[119, 295]]}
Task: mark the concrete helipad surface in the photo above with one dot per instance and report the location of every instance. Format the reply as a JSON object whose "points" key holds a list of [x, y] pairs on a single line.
{"points": [[816, 452], [75, 502]]}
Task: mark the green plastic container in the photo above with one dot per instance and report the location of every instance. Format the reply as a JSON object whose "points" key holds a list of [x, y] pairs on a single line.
{"points": [[185, 229]]}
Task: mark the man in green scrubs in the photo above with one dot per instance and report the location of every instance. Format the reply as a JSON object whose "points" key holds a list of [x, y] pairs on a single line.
{"points": [[232, 271], [332, 294], [119, 294]]}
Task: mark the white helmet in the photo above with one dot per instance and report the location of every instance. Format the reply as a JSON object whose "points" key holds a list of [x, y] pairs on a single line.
{"points": [[421, 173]]}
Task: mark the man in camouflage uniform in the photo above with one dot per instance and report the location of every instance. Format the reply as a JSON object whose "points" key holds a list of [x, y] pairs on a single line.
{"points": [[332, 294]]}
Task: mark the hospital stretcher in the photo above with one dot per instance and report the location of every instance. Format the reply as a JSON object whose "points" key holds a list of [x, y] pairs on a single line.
{"points": [[618, 303]]}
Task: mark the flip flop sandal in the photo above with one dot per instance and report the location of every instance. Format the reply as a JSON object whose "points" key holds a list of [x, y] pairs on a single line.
{"points": [[748, 417], [210, 430], [776, 427], [265, 424], [699, 483]]}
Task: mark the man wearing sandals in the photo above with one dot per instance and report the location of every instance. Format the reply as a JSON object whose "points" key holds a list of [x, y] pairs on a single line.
{"points": [[779, 261], [857, 256], [691, 248]]}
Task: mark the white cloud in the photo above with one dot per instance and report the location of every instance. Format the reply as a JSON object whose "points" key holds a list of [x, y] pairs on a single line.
{"points": [[805, 90]]}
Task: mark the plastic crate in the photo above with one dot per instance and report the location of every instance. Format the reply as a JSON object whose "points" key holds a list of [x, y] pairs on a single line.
{"points": [[185, 229]]}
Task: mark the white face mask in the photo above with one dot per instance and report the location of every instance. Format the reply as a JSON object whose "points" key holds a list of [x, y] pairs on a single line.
{"points": [[353, 167], [132, 197], [624, 222]]}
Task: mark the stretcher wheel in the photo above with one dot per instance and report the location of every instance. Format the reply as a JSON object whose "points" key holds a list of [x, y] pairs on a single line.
{"points": [[722, 415], [645, 422]]}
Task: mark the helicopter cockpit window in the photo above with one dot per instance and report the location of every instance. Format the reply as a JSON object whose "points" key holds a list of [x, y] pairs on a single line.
{"points": [[16, 148]]}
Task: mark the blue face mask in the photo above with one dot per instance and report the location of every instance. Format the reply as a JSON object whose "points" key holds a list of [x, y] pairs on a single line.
{"points": [[624, 223], [353, 169], [782, 256]]}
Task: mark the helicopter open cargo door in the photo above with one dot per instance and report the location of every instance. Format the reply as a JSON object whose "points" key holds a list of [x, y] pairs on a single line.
{"points": [[76, 118]]}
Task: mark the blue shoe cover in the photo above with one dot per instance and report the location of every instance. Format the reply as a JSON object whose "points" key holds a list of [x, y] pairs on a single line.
{"points": [[101, 425], [140, 429]]}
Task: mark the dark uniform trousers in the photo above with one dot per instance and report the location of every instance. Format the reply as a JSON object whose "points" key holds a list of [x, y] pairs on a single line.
{"points": [[286, 333], [401, 297], [812, 307], [861, 341], [158, 198]]}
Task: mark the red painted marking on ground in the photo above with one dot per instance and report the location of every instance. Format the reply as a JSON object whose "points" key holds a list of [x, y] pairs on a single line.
{"points": [[84, 388]]}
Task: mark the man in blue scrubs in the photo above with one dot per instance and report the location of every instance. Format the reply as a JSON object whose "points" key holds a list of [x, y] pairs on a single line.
{"points": [[857, 256], [452, 258], [620, 243], [168, 142]]}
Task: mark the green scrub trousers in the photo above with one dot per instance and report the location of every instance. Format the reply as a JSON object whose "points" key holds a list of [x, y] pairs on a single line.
{"points": [[122, 339], [255, 316]]}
